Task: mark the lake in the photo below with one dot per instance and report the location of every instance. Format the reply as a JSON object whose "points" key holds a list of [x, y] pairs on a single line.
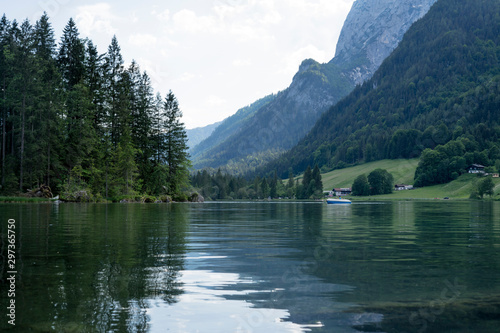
{"points": [[429, 266]]}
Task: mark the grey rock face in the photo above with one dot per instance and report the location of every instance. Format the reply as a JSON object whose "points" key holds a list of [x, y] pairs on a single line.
{"points": [[372, 30]]}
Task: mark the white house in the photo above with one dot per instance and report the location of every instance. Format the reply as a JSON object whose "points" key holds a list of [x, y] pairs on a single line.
{"points": [[402, 187], [476, 168], [342, 191]]}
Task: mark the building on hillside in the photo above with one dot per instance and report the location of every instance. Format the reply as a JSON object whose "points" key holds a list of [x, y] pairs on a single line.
{"points": [[402, 187], [476, 168], [342, 191]]}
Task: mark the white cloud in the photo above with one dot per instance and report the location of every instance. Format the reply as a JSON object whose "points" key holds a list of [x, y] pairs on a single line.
{"points": [[162, 16], [320, 8], [187, 21], [215, 101], [95, 19], [242, 62], [142, 40], [185, 77]]}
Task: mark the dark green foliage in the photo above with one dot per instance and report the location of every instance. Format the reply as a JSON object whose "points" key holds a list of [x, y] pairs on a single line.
{"points": [[82, 123], [483, 187], [221, 186], [381, 182], [486, 187], [360, 186], [224, 186], [174, 145], [441, 83], [312, 185], [71, 56]]}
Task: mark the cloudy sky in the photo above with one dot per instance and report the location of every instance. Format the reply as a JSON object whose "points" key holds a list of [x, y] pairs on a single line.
{"points": [[215, 55]]}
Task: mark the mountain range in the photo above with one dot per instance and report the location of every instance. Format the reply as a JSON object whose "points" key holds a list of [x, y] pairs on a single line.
{"points": [[437, 97], [264, 130]]}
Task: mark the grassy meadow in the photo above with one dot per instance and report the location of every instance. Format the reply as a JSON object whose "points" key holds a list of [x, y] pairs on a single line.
{"points": [[403, 172]]}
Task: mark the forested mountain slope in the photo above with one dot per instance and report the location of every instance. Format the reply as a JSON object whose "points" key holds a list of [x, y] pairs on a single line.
{"points": [[227, 128], [371, 31], [439, 88], [198, 134]]}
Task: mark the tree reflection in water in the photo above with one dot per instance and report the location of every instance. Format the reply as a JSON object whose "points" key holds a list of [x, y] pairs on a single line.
{"points": [[96, 267]]}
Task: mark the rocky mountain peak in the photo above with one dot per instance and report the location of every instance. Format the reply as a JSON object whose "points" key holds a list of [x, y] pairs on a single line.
{"points": [[372, 30]]}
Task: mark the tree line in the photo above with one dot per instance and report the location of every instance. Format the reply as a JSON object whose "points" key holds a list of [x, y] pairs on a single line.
{"points": [[77, 120], [225, 186]]}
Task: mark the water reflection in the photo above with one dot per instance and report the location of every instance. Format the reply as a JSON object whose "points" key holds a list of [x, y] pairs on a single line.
{"points": [[205, 298], [95, 267], [255, 267]]}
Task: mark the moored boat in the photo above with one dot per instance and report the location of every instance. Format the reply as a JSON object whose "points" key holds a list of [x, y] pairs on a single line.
{"points": [[335, 201]]}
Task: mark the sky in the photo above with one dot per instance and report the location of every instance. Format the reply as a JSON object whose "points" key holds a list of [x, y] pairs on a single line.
{"points": [[216, 56]]}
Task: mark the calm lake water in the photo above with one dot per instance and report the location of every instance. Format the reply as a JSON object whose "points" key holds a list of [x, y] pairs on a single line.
{"points": [[254, 267]]}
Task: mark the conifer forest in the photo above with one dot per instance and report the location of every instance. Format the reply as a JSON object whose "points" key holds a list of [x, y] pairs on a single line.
{"points": [[81, 122]]}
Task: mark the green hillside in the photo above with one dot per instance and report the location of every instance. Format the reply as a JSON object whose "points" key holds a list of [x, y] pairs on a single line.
{"points": [[402, 170], [460, 188]]}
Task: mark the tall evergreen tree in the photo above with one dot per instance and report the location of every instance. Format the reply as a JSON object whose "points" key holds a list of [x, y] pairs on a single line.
{"points": [[48, 109], [142, 120], [81, 135], [273, 188], [306, 181], [316, 176], [4, 44], [114, 86], [175, 154], [22, 88], [71, 55]]}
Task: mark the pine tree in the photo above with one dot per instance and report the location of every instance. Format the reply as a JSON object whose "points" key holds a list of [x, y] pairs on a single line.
{"points": [[273, 189], [114, 88], [23, 85], [49, 104], [175, 154], [316, 176], [93, 78], [71, 56], [264, 187], [306, 181], [4, 44], [142, 121]]}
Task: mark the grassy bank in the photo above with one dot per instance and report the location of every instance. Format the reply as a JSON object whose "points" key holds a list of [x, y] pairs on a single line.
{"points": [[403, 172], [23, 199]]}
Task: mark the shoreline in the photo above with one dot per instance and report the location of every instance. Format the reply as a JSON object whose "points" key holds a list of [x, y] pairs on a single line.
{"points": [[17, 200]]}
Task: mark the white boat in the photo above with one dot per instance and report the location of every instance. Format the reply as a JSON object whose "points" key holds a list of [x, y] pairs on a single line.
{"points": [[334, 201]]}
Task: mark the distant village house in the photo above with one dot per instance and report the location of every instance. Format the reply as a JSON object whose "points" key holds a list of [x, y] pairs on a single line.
{"points": [[402, 187], [476, 168], [338, 192], [342, 191]]}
